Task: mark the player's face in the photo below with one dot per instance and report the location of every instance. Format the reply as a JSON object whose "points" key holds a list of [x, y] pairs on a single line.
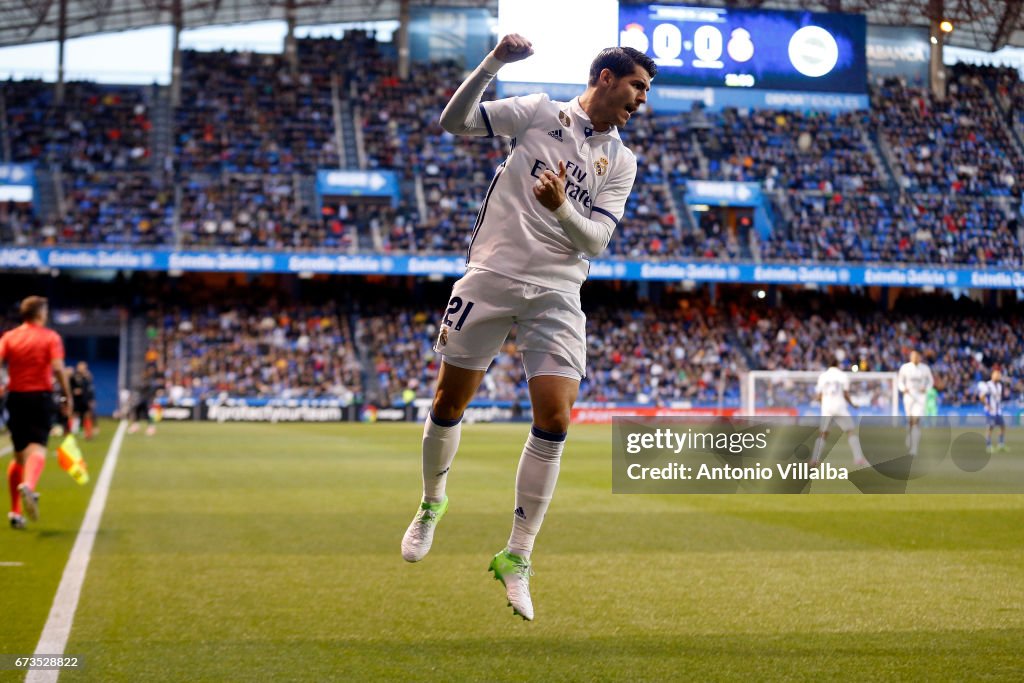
{"points": [[915, 357], [996, 375], [625, 95]]}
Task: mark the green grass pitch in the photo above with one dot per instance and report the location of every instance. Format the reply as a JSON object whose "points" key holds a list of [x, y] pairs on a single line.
{"points": [[271, 553]]}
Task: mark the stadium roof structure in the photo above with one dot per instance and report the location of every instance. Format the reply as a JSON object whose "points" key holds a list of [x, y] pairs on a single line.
{"points": [[33, 21], [981, 24]]}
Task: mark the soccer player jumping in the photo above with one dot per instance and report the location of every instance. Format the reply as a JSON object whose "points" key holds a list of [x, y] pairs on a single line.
{"points": [[552, 205]]}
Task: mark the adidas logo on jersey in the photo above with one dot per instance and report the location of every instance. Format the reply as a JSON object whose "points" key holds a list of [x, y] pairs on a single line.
{"points": [[557, 134]]}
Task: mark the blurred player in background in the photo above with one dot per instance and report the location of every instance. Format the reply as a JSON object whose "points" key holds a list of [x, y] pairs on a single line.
{"points": [[124, 404], [913, 381], [834, 394], [991, 395], [34, 356], [83, 398], [931, 403], [60, 424], [552, 205], [142, 408]]}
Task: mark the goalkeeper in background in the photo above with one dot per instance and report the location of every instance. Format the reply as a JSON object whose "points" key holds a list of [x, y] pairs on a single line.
{"points": [[931, 403]]}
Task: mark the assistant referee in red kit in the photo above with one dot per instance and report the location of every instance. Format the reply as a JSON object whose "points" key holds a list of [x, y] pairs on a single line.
{"points": [[34, 355]]}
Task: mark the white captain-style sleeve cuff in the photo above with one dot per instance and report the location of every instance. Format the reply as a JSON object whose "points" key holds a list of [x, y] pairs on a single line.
{"points": [[491, 64], [590, 236], [464, 114]]}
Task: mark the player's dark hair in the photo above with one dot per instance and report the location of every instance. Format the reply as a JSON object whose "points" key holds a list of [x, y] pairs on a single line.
{"points": [[31, 308], [621, 61]]}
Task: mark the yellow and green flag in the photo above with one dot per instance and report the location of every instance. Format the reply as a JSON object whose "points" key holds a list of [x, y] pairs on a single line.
{"points": [[69, 456]]}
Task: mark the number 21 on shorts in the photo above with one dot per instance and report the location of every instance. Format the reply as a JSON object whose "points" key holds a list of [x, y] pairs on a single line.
{"points": [[454, 306]]}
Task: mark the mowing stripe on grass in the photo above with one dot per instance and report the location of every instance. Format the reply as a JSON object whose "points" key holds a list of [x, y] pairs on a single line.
{"points": [[58, 625]]}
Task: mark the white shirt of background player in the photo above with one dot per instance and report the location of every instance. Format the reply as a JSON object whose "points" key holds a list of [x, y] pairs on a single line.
{"points": [[834, 393], [914, 380]]}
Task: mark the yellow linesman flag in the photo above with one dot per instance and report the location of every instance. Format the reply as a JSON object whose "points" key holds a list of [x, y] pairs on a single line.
{"points": [[69, 456]]}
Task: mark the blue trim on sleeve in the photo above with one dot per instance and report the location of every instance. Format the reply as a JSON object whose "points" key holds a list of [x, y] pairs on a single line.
{"points": [[606, 213], [487, 121]]}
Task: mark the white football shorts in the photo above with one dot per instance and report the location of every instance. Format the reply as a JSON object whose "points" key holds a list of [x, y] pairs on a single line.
{"points": [[840, 412], [913, 405], [483, 308]]}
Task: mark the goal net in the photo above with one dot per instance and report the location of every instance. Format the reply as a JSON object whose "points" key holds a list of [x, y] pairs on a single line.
{"points": [[793, 392]]}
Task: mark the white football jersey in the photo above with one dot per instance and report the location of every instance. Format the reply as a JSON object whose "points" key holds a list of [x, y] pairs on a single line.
{"points": [[992, 395], [913, 379], [515, 235], [833, 385]]}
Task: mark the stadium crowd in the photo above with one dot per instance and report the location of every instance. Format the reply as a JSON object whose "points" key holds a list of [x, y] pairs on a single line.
{"points": [[873, 227], [686, 349], [887, 185], [114, 209], [269, 351], [253, 211], [98, 127], [244, 112], [791, 150], [19, 224], [960, 341], [960, 146]]}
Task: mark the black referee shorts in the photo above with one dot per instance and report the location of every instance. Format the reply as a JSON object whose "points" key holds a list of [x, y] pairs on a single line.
{"points": [[141, 410], [31, 414]]}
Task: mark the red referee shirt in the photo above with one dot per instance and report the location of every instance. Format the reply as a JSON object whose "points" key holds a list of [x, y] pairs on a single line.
{"points": [[29, 351]]}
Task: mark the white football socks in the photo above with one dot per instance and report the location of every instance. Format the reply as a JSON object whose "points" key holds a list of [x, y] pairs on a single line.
{"points": [[915, 438], [819, 446], [440, 441], [535, 484], [858, 454]]}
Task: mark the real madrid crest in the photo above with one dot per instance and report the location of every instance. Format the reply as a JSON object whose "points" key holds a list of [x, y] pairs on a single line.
{"points": [[564, 119], [601, 165], [442, 339]]}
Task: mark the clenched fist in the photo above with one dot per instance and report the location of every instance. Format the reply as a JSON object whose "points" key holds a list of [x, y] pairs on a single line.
{"points": [[513, 48]]}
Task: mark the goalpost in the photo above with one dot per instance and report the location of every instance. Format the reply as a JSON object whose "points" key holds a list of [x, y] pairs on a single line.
{"points": [[769, 391]]}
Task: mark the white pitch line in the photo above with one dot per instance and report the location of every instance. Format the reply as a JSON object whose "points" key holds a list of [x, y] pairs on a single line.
{"points": [[62, 614], [5, 450]]}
